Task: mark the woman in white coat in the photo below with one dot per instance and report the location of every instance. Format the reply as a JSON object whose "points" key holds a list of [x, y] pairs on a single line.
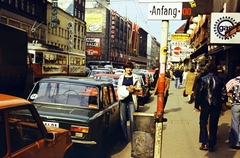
{"points": [[128, 104]]}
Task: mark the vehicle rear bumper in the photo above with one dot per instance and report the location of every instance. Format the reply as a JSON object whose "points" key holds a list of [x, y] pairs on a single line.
{"points": [[85, 142]]}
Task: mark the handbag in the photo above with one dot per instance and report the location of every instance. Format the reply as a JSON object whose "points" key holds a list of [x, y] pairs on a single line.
{"points": [[122, 92], [184, 93]]}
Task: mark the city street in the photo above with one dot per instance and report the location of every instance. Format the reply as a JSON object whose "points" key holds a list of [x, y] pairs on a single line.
{"points": [[181, 131]]}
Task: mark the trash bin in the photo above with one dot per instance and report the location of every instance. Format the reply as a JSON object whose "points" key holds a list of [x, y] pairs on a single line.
{"points": [[143, 137]]}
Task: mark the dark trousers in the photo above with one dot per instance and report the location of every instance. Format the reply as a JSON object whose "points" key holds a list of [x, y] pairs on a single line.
{"points": [[213, 112], [165, 99]]}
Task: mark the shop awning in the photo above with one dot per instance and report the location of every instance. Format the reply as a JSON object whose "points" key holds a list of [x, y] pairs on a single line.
{"points": [[214, 51], [201, 50]]}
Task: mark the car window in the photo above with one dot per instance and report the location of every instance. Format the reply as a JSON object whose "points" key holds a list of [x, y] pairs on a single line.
{"points": [[111, 95], [23, 129], [66, 94], [93, 72], [3, 150], [106, 98]]}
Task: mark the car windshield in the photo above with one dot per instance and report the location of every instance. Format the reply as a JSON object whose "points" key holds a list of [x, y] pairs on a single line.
{"points": [[114, 81], [65, 94]]}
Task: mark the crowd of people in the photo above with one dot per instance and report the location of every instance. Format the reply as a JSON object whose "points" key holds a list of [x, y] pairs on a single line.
{"points": [[209, 90]]}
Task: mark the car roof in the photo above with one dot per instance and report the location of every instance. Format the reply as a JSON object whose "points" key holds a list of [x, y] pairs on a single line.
{"points": [[109, 75], [100, 69], [74, 79], [10, 101]]}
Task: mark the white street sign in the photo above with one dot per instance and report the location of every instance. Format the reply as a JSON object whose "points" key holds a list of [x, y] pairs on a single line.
{"points": [[164, 11], [163, 1]]}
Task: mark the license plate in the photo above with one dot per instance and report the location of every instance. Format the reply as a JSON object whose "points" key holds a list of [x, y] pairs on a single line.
{"points": [[51, 124]]}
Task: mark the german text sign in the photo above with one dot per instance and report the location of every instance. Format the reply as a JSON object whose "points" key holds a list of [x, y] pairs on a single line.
{"points": [[164, 11]]}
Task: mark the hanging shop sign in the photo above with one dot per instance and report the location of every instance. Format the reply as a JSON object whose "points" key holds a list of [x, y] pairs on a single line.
{"points": [[220, 23], [233, 30], [54, 19]]}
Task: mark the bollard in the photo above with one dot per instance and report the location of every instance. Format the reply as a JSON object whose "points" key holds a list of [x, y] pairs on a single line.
{"points": [[143, 137]]}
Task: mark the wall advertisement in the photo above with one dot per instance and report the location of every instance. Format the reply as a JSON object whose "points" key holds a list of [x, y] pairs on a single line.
{"points": [[93, 46], [94, 22]]}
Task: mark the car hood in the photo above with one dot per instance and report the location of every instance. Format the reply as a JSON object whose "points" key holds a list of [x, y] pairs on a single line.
{"points": [[73, 113]]}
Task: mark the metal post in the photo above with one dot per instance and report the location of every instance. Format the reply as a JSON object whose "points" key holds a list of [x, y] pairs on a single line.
{"points": [[159, 119]]}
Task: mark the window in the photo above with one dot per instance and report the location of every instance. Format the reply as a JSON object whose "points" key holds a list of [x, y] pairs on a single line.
{"points": [[28, 7], [22, 4], [106, 100], [111, 94], [3, 141], [16, 3], [3, 20], [66, 94], [26, 28], [33, 9], [23, 129], [14, 23]]}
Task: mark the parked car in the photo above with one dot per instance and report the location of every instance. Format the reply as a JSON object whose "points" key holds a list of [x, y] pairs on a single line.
{"points": [[85, 106], [23, 134], [119, 71], [98, 71], [113, 78]]}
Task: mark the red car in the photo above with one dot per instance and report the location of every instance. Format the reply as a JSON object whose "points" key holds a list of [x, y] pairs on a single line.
{"points": [[23, 134], [113, 78]]}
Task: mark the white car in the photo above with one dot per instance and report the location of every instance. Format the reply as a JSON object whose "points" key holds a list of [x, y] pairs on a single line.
{"points": [[119, 71]]}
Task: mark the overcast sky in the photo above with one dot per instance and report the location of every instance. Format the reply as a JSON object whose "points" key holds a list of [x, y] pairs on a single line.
{"points": [[137, 12]]}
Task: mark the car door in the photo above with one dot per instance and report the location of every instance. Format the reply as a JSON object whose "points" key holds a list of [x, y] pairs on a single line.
{"points": [[110, 109], [115, 106], [25, 136]]}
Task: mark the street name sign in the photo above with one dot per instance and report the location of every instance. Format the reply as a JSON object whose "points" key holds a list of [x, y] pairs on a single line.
{"points": [[165, 11]]}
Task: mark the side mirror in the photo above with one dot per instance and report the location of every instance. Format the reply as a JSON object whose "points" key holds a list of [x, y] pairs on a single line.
{"points": [[50, 137]]}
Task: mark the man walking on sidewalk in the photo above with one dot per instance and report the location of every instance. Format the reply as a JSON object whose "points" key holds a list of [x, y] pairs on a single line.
{"points": [[210, 98]]}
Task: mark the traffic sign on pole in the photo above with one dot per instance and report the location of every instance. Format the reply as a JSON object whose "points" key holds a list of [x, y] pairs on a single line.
{"points": [[164, 11]]}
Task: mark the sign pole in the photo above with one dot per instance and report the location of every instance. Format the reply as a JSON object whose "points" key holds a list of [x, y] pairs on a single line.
{"points": [[158, 115]]}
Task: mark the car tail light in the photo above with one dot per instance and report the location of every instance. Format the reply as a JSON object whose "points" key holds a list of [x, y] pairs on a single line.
{"points": [[81, 129]]}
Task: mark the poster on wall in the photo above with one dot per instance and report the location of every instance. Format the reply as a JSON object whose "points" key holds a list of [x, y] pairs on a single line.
{"points": [[220, 23], [93, 46], [93, 22]]}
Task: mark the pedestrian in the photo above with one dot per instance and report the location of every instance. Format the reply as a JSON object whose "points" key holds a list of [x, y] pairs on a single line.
{"points": [[190, 79], [233, 91], [177, 73], [181, 77], [221, 73], [129, 104], [210, 99], [184, 75], [155, 76], [203, 72], [166, 88]]}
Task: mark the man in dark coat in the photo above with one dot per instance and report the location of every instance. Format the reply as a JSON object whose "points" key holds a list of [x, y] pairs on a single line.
{"points": [[210, 98]]}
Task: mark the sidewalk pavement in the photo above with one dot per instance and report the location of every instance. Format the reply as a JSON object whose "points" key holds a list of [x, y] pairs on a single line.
{"points": [[181, 131]]}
